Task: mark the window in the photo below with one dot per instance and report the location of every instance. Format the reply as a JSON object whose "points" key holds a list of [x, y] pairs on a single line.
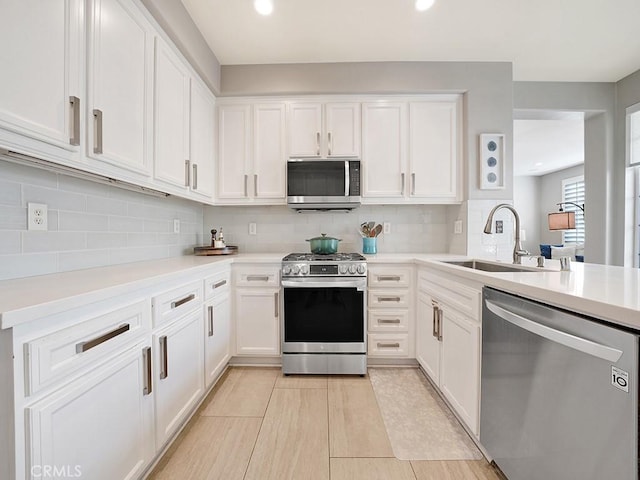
{"points": [[573, 191], [633, 134]]}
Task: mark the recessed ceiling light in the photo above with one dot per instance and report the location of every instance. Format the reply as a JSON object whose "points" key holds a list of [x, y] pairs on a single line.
{"points": [[263, 7], [422, 5]]}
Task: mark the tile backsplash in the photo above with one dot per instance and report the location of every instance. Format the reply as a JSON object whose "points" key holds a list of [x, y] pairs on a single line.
{"points": [[90, 224], [414, 228]]}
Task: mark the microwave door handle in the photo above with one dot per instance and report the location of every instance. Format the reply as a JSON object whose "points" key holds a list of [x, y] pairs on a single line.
{"points": [[347, 187]]}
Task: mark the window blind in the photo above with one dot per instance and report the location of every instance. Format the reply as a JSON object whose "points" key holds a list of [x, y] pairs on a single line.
{"points": [[573, 191], [634, 137]]}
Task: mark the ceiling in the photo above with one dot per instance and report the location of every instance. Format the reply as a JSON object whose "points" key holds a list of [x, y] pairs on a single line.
{"points": [[546, 40], [542, 146]]}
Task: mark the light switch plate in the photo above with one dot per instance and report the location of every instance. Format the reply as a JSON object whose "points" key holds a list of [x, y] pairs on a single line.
{"points": [[176, 226], [386, 227]]}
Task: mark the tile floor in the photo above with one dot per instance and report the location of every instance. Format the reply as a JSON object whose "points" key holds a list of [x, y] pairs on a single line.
{"points": [[257, 424]]}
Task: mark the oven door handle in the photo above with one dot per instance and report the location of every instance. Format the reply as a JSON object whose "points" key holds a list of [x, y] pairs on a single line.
{"points": [[360, 286]]}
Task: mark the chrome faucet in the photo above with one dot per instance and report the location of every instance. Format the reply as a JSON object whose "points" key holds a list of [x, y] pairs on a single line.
{"points": [[518, 251]]}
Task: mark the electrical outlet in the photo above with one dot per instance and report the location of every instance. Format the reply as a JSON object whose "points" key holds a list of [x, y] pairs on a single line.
{"points": [[253, 229], [386, 227], [499, 226], [457, 227], [37, 218], [176, 226]]}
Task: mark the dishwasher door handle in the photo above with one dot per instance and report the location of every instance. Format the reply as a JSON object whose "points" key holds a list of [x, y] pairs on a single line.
{"points": [[568, 340]]}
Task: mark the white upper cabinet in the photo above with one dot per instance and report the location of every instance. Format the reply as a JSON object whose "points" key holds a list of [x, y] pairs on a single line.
{"points": [[252, 153], [324, 130], [184, 123], [384, 149], [41, 90], [120, 65], [433, 150]]}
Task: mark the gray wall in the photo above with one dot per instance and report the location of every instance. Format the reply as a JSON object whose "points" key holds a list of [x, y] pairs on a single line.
{"points": [[176, 22], [487, 88], [526, 199], [627, 94], [604, 175]]}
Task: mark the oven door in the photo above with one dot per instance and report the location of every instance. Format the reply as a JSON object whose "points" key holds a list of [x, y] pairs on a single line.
{"points": [[324, 315]]}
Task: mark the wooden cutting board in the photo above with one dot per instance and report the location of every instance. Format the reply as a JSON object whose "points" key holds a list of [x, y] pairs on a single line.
{"points": [[209, 250]]}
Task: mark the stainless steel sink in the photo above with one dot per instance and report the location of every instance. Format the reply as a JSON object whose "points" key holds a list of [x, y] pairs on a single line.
{"points": [[490, 267]]}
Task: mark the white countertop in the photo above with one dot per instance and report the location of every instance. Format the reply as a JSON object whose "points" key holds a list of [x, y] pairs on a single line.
{"points": [[606, 292]]}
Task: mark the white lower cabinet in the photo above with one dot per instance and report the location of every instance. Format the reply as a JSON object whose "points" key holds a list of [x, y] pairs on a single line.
{"points": [[448, 334], [257, 321], [217, 335], [178, 373], [97, 427]]}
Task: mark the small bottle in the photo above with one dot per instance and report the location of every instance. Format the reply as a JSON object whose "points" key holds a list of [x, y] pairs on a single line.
{"points": [[219, 243]]}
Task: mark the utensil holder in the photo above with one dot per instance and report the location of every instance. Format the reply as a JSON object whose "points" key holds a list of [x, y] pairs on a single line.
{"points": [[369, 245]]}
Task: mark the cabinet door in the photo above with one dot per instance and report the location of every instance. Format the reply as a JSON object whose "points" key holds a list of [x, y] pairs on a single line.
{"points": [[460, 368], [433, 150], [171, 118], [305, 129], [99, 427], [427, 345], [41, 53], [179, 375], [257, 321], [202, 154], [269, 151], [343, 129], [217, 338], [383, 149], [234, 144], [119, 83]]}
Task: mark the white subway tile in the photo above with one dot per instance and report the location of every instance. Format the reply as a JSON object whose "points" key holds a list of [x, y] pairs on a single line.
{"points": [[13, 218], [36, 241], [10, 194], [106, 240], [55, 199], [110, 206], [10, 242], [125, 224], [82, 222], [27, 175], [82, 259], [16, 266]]}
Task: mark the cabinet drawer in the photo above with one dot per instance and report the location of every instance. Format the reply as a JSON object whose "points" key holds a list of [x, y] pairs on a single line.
{"points": [[389, 298], [465, 299], [256, 276], [388, 320], [388, 344], [55, 356], [217, 284], [176, 302], [389, 276]]}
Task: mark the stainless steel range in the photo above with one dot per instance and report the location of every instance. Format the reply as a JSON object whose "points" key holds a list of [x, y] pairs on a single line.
{"points": [[324, 314]]}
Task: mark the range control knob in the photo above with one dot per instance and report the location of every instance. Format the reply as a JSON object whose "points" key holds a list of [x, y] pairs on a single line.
{"points": [[295, 269], [352, 269], [286, 270], [343, 269], [362, 268], [304, 269]]}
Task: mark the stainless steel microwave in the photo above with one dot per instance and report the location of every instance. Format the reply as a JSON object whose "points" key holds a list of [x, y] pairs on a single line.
{"points": [[323, 184]]}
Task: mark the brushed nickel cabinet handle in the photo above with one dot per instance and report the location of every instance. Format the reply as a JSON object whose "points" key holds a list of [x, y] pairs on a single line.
{"points": [[329, 144], [257, 278], [413, 184], [164, 358], [88, 345], [210, 313], [275, 303], [255, 185], [187, 181], [435, 320], [402, 184], [388, 278], [318, 143], [219, 284], [194, 185], [246, 179], [182, 301], [389, 345], [389, 320], [440, 313], [74, 138], [389, 299], [97, 131], [148, 377]]}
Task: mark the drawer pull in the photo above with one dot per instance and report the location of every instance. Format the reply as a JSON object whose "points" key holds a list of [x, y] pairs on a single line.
{"points": [[164, 361], [275, 303], [389, 345], [219, 284], [257, 278], [148, 378], [388, 278], [210, 312], [389, 299], [182, 301], [389, 320], [84, 346]]}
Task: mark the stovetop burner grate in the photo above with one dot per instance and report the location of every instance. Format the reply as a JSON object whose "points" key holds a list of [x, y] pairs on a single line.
{"points": [[333, 257]]}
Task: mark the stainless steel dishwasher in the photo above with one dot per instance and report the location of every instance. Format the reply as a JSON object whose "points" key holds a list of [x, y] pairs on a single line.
{"points": [[559, 394]]}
